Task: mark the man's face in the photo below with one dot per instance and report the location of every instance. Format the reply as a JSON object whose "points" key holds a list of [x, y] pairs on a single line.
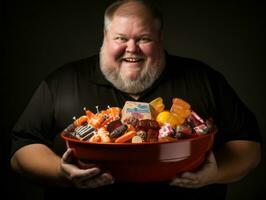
{"points": [[132, 55]]}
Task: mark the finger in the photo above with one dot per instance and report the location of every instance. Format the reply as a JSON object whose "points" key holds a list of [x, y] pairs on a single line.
{"points": [[189, 175], [182, 181], [85, 174], [75, 174], [105, 179], [185, 183], [68, 156], [185, 179], [85, 165], [102, 179], [188, 185], [83, 177], [97, 181]]}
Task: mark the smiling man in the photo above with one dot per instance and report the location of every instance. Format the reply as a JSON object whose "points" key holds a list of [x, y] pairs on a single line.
{"points": [[132, 55], [133, 65]]}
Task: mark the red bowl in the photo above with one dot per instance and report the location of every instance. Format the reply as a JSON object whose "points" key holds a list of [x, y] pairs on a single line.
{"points": [[143, 162]]}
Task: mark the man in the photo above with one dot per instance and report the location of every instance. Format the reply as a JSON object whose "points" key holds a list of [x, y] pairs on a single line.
{"points": [[134, 66]]}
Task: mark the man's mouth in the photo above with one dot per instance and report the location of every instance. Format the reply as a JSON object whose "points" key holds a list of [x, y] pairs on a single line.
{"points": [[132, 59]]}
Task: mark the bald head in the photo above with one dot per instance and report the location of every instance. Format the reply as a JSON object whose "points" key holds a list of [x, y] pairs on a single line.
{"points": [[133, 8]]}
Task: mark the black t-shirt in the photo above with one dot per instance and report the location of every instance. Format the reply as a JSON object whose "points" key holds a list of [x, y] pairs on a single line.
{"points": [[65, 92]]}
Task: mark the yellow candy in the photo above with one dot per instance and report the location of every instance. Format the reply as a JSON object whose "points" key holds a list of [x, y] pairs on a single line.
{"points": [[157, 106], [170, 118]]}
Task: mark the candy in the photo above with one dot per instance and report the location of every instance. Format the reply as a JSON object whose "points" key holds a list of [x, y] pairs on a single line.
{"points": [[136, 139], [114, 112], [184, 128], [83, 131], [165, 131], [132, 121], [184, 131], [89, 135], [180, 107], [142, 134], [113, 125], [152, 135], [137, 110], [201, 129], [88, 113], [194, 119], [118, 131], [70, 128], [125, 137], [147, 124], [137, 124], [157, 106], [167, 117], [81, 120], [102, 136]]}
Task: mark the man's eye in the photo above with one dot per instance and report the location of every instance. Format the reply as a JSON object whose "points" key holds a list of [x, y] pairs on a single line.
{"points": [[144, 40], [121, 39]]}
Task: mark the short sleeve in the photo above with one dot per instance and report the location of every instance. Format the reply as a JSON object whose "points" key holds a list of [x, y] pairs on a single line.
{"points": [[35, 123], [234, 119]]}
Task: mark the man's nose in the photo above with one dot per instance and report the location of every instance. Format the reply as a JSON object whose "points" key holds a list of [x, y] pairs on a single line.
{"points": [[132, 46]]}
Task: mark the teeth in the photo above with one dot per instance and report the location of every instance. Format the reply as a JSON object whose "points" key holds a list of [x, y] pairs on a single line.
{"points": [[132, 59]]}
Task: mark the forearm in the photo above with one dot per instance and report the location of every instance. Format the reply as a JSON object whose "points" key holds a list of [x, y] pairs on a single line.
{"points": [[236, 159], [39, 163]]}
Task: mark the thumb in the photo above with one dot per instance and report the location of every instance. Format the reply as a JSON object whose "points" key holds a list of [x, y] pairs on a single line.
{"points": [[68, 156]]}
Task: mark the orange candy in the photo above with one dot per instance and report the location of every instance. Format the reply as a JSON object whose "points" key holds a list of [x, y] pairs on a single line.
{"points": [[125, 137], [81, 120], [180, 107]]}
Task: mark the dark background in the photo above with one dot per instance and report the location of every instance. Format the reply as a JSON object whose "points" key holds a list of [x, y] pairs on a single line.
{"points": [[40, 36]]}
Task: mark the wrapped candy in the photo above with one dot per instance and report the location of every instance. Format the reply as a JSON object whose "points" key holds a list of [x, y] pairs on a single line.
{"points": [[194, 119], [142, 134], [184, 131], [139, 110], [118, 131], [166, 131], [201, 129]]}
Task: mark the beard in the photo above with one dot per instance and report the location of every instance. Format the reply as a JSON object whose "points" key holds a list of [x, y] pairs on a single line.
{"points": [[148, 75]]}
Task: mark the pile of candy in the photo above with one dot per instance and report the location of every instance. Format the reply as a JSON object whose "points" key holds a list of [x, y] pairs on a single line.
{"points": [[140, 122]]}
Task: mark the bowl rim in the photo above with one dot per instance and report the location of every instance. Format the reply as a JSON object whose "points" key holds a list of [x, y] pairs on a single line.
{"points": [[62, 134]]}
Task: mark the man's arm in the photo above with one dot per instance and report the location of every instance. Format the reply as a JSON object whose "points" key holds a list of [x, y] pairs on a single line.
{"points": [[236, 159], [231, 163], [41, 164], [38, 162]]}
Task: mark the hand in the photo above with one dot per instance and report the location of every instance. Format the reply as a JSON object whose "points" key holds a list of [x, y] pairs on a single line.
{"points": [[82, 178], [204, 176]]}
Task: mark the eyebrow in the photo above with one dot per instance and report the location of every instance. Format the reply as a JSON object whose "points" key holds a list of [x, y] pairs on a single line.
{"points": [[142, 35]]}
